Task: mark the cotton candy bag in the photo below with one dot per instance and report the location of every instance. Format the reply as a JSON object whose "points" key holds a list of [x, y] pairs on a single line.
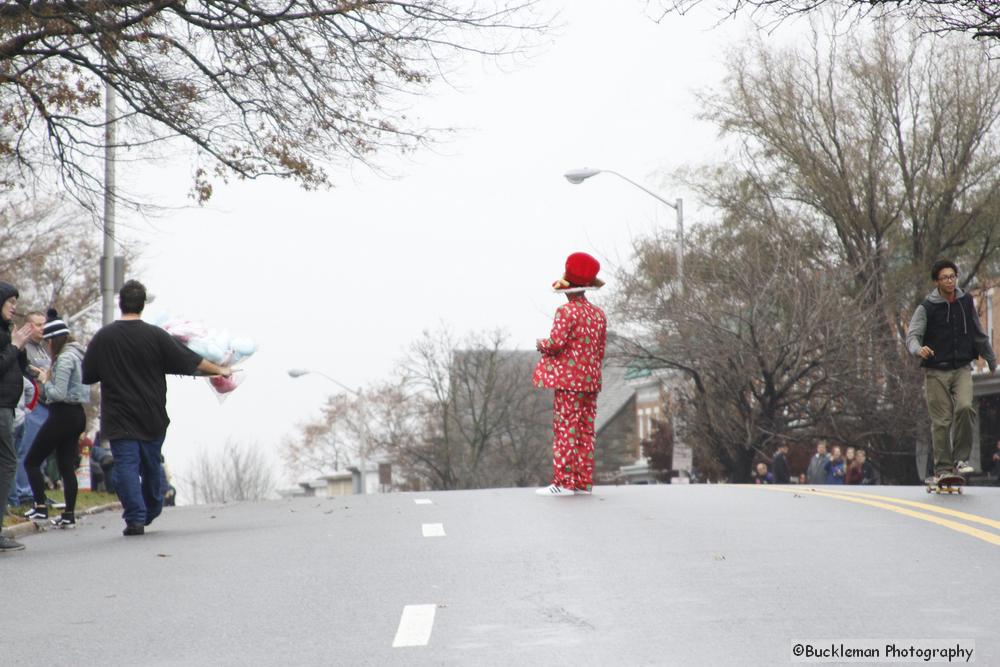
{"points": [[216, 346]]}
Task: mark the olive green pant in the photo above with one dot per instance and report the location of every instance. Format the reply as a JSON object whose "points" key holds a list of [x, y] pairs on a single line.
{"points": [[949, 401]]}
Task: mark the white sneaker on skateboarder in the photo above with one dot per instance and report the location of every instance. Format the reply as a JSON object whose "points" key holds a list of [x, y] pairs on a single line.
{"points": [[963, 468]]}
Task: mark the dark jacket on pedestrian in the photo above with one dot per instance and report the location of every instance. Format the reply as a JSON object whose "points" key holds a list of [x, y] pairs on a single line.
{"points": [[13, 361], [779, 467], [816, 472], [952, 330], [868, 473]]}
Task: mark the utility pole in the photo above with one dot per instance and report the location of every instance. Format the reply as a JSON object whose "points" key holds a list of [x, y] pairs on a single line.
{"points": [[108, 258]]}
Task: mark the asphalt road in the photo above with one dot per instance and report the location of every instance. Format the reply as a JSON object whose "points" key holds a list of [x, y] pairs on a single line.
{"points": [[660, 575]]}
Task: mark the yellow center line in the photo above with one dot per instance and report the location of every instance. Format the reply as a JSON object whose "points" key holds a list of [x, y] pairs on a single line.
{"points": [[992, 538], [974, 518]]}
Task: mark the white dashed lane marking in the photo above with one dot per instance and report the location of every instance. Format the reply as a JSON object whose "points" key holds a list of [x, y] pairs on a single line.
{"points": [[423, 501], [415, 625], [433, 529]]}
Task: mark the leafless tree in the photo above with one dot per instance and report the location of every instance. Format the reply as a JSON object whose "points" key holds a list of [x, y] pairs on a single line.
{"points": [[483, 423], [352, 428], [885, 144], [49, 250], [236, 473], [257, 88], [462, 415], [767, 328], [978, 19]]}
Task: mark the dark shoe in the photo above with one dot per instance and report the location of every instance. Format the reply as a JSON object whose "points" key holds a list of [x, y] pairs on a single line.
{"points": [[37, 513], [7, 544], [133, 529], [65, 520]]}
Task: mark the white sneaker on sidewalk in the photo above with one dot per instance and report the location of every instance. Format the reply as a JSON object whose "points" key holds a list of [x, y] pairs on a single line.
{"points": [[554, 490]]}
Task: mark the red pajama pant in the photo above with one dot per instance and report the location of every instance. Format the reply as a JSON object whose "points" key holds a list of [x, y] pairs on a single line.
{"points": [[573, 415]]}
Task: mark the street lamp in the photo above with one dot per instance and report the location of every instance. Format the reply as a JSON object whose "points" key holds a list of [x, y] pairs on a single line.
{"points": [[299, 372], [577, 176]]}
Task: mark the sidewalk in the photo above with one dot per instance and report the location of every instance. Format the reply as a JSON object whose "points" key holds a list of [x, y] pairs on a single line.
{"points": [[28, 528]]}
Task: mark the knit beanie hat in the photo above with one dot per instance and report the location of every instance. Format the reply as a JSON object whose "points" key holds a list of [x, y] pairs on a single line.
{"points": [[54, 326]]}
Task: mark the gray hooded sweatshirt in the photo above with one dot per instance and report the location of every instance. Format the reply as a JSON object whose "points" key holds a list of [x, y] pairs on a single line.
{"points": [[918, 327]]}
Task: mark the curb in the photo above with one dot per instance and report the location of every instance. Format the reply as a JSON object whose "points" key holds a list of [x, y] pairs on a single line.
{"points": [[28, 528]]}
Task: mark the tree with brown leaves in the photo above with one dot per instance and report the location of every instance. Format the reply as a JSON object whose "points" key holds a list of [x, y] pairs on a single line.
{"points": [[257, 88]]}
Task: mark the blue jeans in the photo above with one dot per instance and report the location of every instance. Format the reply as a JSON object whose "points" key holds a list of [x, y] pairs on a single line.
{"points": [[32, 424], [138, 479], [15, 497]]}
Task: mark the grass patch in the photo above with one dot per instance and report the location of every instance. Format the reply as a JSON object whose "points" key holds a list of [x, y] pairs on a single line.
{"points": [[84, 501]]}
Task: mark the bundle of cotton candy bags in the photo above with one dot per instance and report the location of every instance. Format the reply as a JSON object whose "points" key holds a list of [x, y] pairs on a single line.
{"points": [[216, 346]]}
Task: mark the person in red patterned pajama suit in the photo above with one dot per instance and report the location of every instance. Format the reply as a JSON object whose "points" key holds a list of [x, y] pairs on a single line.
{"points": [[571, 362]]}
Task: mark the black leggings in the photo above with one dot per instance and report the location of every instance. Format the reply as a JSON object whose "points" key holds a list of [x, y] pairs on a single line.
{"points": [[60, 434]]}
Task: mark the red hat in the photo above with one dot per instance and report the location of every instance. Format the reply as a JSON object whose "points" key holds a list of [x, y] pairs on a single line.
{"points": [[580, 275]]}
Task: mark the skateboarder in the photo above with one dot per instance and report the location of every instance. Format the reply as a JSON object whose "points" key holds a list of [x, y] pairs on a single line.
{"points": [[946, 334], [571, 362]]}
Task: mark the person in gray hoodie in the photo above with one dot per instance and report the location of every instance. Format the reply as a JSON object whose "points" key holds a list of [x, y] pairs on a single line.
{"points": [[946, 334], [66, 395]]}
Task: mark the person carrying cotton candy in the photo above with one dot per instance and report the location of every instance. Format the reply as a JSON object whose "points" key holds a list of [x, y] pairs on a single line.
{"points": [[131, 359]]}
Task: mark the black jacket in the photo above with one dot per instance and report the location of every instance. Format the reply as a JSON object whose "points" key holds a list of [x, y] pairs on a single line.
{"points": [[13, 362], [779, 465]]}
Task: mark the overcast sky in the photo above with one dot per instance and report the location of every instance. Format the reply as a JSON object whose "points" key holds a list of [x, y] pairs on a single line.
{"points": [[470, 234]]}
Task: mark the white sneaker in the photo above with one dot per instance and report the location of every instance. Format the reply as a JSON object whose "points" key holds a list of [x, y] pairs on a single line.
{"points": [[963, 468], [553, 490]]}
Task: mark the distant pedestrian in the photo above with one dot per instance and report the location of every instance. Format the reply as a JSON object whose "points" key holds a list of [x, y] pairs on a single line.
{"points": [[855, 471], [572, 358], [131, 359], [836, 469], [762, 476], [20, 491], [102, 464], [868, 473], [32, 411], [65, 393], [779, 465], [816, 472], [946, 334], [13, 365], [995, 463], [37, 351]]}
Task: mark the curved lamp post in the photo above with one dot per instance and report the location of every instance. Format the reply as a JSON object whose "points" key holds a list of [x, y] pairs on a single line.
{"points": [[299, 372], [577, 176]]}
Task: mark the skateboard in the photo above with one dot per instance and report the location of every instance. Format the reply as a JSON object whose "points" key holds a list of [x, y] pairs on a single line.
{"points": [[947, 484], [42, 526]]}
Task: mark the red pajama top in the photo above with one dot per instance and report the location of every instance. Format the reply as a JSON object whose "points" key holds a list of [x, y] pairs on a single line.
{"points": [[573, 353]]}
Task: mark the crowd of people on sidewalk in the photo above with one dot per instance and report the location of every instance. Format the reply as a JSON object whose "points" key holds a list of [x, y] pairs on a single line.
{"points": [[45, 384], [838, 466]]}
